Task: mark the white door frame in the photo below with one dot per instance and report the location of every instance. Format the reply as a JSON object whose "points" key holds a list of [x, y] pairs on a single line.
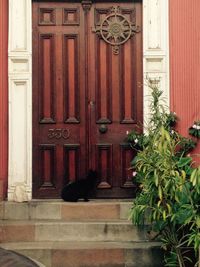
{"points": [[155, 64]]}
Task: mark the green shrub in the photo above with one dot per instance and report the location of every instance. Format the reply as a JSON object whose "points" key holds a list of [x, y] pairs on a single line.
{"points": [[169, 185]]}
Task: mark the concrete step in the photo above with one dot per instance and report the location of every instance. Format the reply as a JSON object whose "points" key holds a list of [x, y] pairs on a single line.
{"points": [[91, 254], [16, 231], [61, 234], [58, 210]]}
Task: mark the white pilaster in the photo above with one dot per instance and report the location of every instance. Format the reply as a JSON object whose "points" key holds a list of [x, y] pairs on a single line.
{"points": [[20, 97], [155, 48]]}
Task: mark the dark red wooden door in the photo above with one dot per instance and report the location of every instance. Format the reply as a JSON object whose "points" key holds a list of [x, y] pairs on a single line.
{"points": [[115, 94], [87, 70]]}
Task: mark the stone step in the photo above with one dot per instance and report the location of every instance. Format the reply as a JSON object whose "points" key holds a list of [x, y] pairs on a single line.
{"points": [[65, 211], [14, 231], [91, 254]]}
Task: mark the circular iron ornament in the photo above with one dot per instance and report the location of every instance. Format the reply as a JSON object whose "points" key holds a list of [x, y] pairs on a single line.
{"points": [[115, 29]]}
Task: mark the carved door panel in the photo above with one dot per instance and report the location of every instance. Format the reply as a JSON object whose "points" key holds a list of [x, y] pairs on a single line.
{"points": [[87, 66], [115, 77], [59, 136]]}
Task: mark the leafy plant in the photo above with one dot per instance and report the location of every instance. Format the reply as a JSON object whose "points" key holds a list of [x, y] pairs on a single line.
{"points": [[137, 140], [169, 196], [195, 129]]}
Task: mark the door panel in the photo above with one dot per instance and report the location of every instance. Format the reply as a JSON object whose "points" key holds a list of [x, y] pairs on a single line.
{"points": [[59, 136], [115, 74], [86, 94]]}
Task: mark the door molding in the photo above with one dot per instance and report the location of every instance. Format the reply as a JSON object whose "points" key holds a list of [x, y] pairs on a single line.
{"points": [[155, 64]]}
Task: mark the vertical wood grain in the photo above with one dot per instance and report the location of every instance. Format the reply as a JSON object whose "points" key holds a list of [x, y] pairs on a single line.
{"points": [[185, 62], [47, 87]]}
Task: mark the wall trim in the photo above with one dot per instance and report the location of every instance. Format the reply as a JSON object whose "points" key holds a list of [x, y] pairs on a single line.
{"points": [[20, 97], [3, 97], [155, 49], [155, 64]]}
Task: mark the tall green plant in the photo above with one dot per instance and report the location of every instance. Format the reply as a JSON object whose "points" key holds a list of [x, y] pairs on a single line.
{"points": [[169, 195]]}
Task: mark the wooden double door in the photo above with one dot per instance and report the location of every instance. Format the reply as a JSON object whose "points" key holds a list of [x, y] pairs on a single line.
{"points": [[87, 93]]}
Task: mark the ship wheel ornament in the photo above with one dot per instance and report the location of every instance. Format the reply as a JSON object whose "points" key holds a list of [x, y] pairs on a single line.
{"points": [[116, 29]]}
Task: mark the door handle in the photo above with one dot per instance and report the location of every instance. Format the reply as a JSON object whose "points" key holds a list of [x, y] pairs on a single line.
{"points": [[103, 128]]}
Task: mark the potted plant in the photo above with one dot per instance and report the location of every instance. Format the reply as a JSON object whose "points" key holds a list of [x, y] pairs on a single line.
{"points": [[169, 186]]}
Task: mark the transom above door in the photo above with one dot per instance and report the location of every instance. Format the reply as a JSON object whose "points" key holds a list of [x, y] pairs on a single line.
{"points": [[87, 75]]}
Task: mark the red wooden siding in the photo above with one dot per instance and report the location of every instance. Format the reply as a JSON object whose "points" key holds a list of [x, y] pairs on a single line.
{"points": [[3, 94], [185, 62]]}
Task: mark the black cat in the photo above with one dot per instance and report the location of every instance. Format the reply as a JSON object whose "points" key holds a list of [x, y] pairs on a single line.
{"points": [[73, 191]]}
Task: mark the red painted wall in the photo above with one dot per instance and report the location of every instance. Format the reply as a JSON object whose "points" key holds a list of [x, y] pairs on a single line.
{"points": [[3, 96], [185, 62]]}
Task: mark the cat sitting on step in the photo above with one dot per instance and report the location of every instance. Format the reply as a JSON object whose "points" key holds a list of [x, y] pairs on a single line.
{"points": [[80, 189]]}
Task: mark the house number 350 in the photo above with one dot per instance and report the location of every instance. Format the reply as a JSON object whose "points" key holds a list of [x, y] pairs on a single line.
{"points": [[58, 133]]}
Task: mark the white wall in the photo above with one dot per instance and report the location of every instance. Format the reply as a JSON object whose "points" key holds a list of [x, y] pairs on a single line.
{"points": [[155, 48], [20, 96]]}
